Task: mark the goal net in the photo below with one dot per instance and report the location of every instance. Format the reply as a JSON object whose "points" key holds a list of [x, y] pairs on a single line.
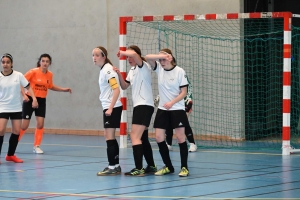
{"points": [[236, 66]]}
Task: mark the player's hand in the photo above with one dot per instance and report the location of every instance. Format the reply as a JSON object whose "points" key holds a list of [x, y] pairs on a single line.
{"points": [[188, 103], [169, 57], [25, 98], [35, 103], [68, 90], [108, 112], [116, 69], [168, 105]]}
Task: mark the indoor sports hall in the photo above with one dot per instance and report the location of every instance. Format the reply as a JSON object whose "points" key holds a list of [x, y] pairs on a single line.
{"points": [[243, 62]]}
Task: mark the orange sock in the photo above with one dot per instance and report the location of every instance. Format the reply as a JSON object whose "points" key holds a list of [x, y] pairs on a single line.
{"points": [[38, 137], [22, 132]]}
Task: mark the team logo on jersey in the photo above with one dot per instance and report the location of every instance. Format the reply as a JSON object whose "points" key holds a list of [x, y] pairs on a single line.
{"points": [[108, 72]]}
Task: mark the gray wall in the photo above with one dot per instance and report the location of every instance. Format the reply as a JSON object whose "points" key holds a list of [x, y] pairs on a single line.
{"points": [[68, 30]]}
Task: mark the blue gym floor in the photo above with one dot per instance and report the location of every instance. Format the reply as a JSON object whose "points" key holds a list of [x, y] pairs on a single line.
{"points": [[67, 170]]}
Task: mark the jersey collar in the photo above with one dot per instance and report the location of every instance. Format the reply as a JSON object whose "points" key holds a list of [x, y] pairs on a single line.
{"points": [[7, 74]]}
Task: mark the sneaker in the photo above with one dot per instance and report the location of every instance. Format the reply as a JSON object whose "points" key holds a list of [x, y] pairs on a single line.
{"points": [[163, 171], [184, 172], [37, 150], [13, 159], [118, 169], [108, 172], [136, 172], [193, 147], [170, 147], [150, 169]]}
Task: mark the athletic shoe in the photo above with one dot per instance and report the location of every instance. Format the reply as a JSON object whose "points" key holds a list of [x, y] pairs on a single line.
{"points": [[37, 150], [170, 147], [108, 172], [163, 171], [136, 172], [118, 169], [184, 172], [193, 147], [13, 159], [150, 169]]}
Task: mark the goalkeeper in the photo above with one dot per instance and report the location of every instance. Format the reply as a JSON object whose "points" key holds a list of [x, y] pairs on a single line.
{"points": [[188, 101]]}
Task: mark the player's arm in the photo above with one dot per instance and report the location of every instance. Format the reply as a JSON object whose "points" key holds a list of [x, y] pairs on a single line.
{"points": [[116, 92], [60, 89], [132, 54], [182, 94], [152, 58], [31, 93], [124, 85]]}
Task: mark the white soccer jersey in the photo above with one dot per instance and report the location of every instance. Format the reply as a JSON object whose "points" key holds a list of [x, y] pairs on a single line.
{"points": [[140, 81], [170, 83], [10, 91], [106, 92]]}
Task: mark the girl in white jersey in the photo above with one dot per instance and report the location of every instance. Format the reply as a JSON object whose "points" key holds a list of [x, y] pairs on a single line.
{"points": [[172, 87], [10, 104], [112, 109], [139, 77]]}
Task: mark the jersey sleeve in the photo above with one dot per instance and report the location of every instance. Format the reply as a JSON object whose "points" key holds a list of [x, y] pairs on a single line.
{"points": [[30, 74], [183, 79], [129, 76], [23, 81], [110, 73]]}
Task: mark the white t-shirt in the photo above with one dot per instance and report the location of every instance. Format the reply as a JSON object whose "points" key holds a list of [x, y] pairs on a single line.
{"points": [[170, 83], [10, 91], [140, 81], [106, 92]]}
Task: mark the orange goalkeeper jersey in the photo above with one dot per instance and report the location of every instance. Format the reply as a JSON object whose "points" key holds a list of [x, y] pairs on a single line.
{"points": [[40, 82]]}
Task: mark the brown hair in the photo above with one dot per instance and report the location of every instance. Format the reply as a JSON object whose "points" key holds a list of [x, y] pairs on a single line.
{"points": [[137, 50], [104, 53], [173, 62], [45, 55]]}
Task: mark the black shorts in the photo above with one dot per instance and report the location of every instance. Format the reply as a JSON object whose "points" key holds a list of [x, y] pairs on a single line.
{"points": [[28, 110], [114, 120], [142, 115], [11, 115], [170, 119]]}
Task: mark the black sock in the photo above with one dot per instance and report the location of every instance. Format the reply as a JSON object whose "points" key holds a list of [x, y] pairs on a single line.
{"points": [[117, 151], [13, 143], [138, 156], [189, 134], [1, 142], [183, 154], [164, 152], [169, 136], [148, 153], [111, 152]]}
